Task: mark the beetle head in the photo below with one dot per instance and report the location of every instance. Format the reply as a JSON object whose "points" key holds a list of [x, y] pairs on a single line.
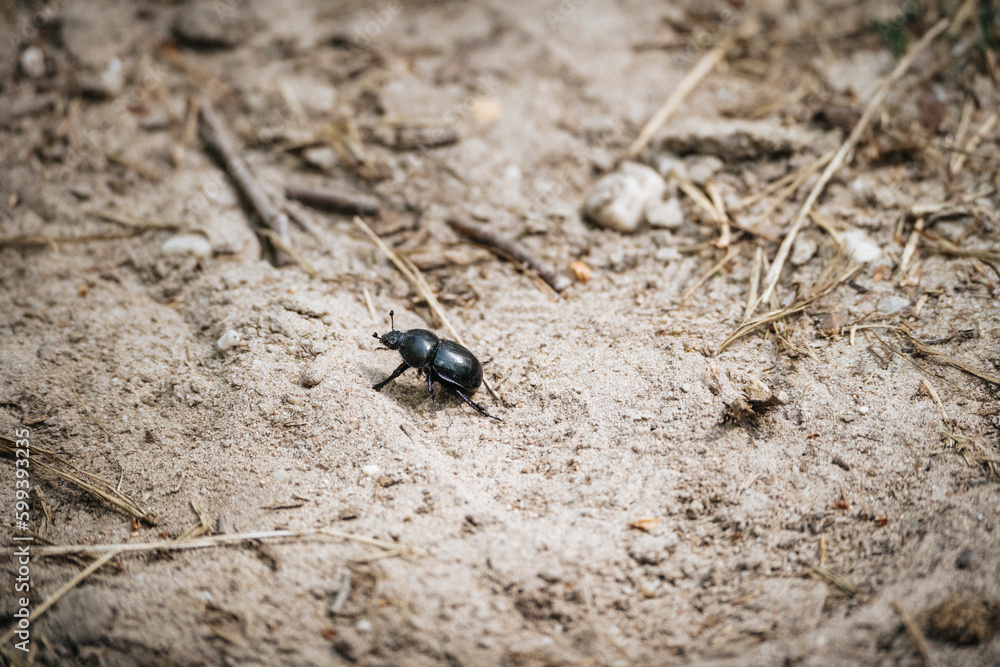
{"points": [[392, 338]]}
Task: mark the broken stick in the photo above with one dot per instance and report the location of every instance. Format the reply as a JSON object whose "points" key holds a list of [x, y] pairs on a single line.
{"points": [[218, 141], [328, 200], [509, 250]]}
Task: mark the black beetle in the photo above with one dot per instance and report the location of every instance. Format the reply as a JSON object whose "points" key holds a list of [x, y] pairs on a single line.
{"points": [[446, 361]]}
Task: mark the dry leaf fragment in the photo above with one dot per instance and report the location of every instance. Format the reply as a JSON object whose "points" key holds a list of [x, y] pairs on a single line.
{"points": [[647, 524]]}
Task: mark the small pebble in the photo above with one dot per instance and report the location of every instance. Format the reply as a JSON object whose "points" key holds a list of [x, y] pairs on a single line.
{"points": [[892, 304], [863, 410], [756, 391], [860, 248], [33, 62], [107, 83], [802, 250], [188, 244], [665, 214], [323, 158], [316, 371], [229, 340], [618, 201], [371, 470], [212, 24]]}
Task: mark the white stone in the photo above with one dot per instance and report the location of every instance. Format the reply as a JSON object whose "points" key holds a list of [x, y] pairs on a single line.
{"points": [[33, 62], [757, 391], [803, 249], [229, 340], [188, 244], [665, 214], [619, 199], [892, 303], [859, 247]]}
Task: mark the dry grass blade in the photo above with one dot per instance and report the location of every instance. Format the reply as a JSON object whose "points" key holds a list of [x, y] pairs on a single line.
{"points": [[951, 361], [791, 182], [914, 631], [93, 485], [218, 541], [796, 307], [946, 247], [416, 279], [280, 244], [840, 158], [842, 584], [683, 89], [35, 240]]}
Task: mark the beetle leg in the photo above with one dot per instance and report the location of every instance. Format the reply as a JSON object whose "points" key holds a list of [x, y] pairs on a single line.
{"points": [[478, 407], [430, 386], [395, 374]]}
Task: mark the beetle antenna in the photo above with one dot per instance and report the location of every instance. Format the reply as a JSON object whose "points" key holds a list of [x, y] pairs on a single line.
{"points": [[392, 322], [375, 335]]}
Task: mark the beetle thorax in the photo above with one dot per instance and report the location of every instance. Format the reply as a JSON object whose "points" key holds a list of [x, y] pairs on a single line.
{"points": [[417, 347]]}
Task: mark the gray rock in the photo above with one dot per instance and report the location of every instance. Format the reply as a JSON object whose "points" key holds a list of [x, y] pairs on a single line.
{"points": [[803, 249], [107, 82], [317, 369], [219, 25], [665, 214], [619, 200], [892, 303], [32, 62]]}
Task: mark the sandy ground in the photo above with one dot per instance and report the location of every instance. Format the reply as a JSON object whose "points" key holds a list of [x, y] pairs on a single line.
{"points": [[619, 514]]}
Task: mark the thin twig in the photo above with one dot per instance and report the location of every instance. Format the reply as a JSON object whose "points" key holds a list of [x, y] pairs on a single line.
{"points": [[510, 250], [338, 202], [755, 271], [96, 487], [914, 631], [416, 279], [217, 541], [280, 244], [65, 588], [218, 140], [683, 89], [909, 249], [725, 235], [781, 313], [959, 157], [840, 158], [842, 584], [951, 361]]}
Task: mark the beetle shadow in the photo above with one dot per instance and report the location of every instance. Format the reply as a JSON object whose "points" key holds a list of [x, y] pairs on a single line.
{"points": [[410, 390]]}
